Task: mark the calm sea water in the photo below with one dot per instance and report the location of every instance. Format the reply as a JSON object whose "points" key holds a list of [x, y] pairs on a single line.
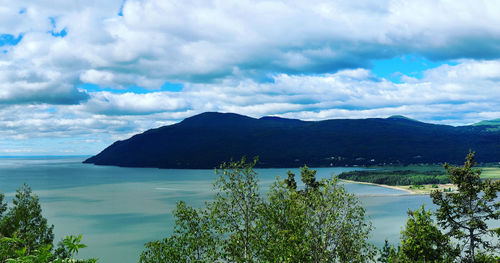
{"points": [[119, 209]]}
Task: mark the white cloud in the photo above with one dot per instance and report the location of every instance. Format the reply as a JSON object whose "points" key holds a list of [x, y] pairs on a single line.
{"points": [[300, 59], [156, 41], [134, 104]]}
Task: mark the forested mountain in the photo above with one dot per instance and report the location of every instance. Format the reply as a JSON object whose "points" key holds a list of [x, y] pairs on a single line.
{"points": [[207, 139]]}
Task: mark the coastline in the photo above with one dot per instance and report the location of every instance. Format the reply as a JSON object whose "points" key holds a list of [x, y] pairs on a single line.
{"points": [[386, 186]]}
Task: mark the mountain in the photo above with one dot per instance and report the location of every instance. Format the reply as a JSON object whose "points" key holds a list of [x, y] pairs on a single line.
{"points": [[492, 125], [207, 139]]}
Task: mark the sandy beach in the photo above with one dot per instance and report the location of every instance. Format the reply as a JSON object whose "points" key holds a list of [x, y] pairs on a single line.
{"points": [[381, 185]]}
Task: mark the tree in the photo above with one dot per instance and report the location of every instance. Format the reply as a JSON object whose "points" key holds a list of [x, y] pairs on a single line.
{"points": [[3, 207], [26, 237], [465, 212], [73, 244], [227, 229], [24, 220], [285, 223], [389, 254], [237, 211], [319, 223], [385, 252], [422, 241], [336, 226], [192, 240]]}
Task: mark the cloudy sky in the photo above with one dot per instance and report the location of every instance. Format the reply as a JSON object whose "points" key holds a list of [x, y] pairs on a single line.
{"points": [[77, 75]]}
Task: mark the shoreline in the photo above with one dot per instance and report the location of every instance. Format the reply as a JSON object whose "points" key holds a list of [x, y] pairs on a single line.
{"points": [[386, 186]]}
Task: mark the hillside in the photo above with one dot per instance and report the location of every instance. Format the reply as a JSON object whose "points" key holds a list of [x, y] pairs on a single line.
{"points": [[207, 139]]}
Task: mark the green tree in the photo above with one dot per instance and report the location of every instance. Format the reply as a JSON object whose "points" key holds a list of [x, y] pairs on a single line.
{"points": [[422, 241], [3, 206], [236, 212], [227, 229], [73, 244], [285, 224], [319, 223], [24, 220], [192, 240], [465, 212], [385, 252], [389, 254], [25, 236]]}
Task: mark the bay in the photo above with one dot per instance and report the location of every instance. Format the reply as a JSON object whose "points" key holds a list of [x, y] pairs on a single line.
{"points": [[119, 209]]}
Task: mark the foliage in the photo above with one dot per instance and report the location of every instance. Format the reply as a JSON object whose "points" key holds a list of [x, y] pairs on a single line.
{"points": [[192, 240], [237, 211], [398, 177], [422, 241], [389, 254], [385, 252], [25, 221], [319, 223], [14, 250], [465, 212], [25, 236], [73, 244], [3, 207]]}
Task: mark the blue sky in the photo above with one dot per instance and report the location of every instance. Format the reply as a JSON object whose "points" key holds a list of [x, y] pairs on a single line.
{"points": [[76, 76]]}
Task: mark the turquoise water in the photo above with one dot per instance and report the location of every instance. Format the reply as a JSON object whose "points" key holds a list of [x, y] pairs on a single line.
{"points": [[120, 209]]}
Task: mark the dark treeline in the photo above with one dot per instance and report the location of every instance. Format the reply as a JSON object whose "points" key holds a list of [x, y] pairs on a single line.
{"points": [[405, 177]]}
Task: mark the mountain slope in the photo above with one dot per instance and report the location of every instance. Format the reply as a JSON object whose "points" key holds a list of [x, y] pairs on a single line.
{"points": [[207, 139]]}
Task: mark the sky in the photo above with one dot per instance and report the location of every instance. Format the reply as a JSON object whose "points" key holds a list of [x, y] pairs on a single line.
{"points": [[77, 75]]}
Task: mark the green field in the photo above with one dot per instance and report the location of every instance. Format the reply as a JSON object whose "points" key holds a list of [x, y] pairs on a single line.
{"points": [[420, 179], [490, 173]]}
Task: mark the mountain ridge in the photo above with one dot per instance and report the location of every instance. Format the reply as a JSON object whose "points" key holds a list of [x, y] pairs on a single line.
{"points": [[208, 139]]}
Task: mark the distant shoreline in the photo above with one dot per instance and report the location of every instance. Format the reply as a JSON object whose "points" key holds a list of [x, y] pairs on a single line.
{"points": [[426, 190], [383, 185]]}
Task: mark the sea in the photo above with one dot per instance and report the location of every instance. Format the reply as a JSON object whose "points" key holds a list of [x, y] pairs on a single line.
{"points": [[119, 209]]}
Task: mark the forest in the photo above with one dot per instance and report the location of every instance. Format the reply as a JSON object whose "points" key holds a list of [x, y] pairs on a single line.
{"points": [[398, 177]]}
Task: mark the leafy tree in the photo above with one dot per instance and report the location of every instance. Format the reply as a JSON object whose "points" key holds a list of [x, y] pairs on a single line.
{"points": [[14, 250], [385, 252], [285, 224], [24, 220], [165, 250], [422, 241], [192, 240], [465, 212], [3, 207], [73, 244], [26, 237], [389, 254], [68, 248], [237, 211], [337, 229], [227, 229], [319, 223]]}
